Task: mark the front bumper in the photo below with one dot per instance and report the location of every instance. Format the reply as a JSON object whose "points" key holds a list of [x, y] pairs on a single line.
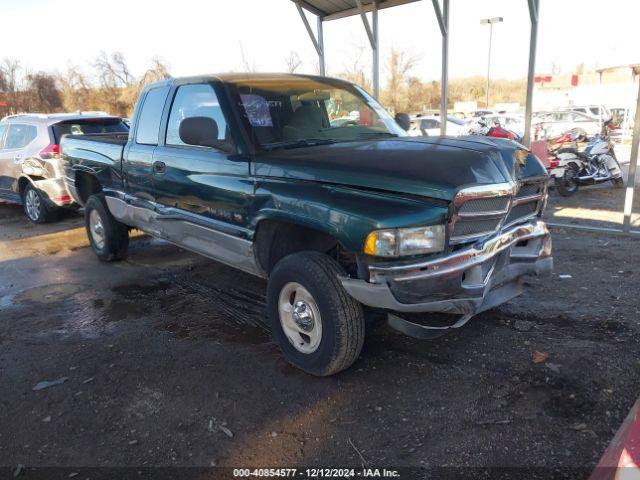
{"points": [[466, 282]]}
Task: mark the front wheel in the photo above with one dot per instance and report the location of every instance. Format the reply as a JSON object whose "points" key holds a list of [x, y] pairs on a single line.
{"points": [[318, 326], [567, 185], [108, 237], [618, 182]]}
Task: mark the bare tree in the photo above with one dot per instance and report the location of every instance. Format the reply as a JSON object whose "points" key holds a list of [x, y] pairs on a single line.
{"points": [[399, 66], [42, 93], [156, 72], [113, 71], [77, 92], [247, 67], [10, 74], [293, 61], [10, 71], [354, 67], [114, 77]]}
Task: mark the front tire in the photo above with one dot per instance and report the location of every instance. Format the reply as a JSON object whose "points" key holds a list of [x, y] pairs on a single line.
{"points": [[108, 237], [318, 326], [618, 182], [35, 208], [567, 185]]}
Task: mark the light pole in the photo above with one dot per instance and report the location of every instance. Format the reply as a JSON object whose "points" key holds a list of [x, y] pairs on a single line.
{"points": [[490, 22]]}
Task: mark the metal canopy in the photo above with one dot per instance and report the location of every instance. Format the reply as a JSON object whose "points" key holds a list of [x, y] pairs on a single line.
{"points": [[334, 9]]}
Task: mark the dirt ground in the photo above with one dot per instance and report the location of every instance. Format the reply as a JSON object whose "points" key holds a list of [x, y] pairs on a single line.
{"points": [[165, 360]]}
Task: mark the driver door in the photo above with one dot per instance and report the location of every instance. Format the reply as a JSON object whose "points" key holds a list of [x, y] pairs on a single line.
{"points": [[201, 191]]}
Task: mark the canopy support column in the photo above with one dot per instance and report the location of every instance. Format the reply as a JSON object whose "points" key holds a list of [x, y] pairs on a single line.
{"points": [[534, 10], [321, 46], [318, 43], [633, 164], [443, 22], [372, 33]]}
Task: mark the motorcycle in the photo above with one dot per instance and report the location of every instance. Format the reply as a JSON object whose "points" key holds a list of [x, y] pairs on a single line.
{"points": [[597, 163], [495, 131]]}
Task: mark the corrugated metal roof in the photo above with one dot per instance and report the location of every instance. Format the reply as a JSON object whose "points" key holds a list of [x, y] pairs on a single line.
{"points": [[334, 9]]}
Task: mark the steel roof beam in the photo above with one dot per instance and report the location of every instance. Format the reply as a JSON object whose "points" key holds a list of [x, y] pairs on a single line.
{"points": [[534, 9]]}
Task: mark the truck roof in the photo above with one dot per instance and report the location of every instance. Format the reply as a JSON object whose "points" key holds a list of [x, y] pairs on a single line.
{"points": [[232, 77]]}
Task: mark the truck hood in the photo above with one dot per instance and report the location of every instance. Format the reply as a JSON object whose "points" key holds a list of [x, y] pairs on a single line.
{"points": [[432, 167]]}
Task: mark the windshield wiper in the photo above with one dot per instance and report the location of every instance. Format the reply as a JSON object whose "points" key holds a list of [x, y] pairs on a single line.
{"points": [[307, 142]]}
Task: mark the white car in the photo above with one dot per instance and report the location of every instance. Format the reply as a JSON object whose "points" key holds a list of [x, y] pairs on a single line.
{"points": [[430, 126], [596, 111], [559, 123]]}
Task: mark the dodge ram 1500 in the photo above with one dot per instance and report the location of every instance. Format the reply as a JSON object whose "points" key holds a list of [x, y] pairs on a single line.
{"points": [[309, 182]]}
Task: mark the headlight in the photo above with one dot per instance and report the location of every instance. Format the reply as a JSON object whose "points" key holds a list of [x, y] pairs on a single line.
{"points": [[405, 241]]}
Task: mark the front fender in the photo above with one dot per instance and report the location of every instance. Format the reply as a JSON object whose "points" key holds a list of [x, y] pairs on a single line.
{"points": [[346, 213]]}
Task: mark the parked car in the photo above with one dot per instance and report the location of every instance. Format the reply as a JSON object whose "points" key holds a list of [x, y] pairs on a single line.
{"points": [[431, 126], [30, 170], [558, 123], [247, 170], [596, 111]]}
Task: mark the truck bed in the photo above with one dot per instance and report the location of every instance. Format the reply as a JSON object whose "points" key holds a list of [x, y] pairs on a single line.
{"points": [[100, 152]]}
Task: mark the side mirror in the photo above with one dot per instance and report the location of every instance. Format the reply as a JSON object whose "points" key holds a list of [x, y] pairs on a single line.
{"points": [[200, 131], [403, 120]]}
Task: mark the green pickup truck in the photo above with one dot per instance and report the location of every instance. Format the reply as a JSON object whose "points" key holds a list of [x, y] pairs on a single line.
{"points": [[309, 182]]}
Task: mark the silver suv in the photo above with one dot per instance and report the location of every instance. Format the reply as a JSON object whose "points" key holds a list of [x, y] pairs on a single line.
{"points": [[30, 170]]}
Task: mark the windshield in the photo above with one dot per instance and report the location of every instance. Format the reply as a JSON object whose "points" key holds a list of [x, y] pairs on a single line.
{"points": [[297, 112]]}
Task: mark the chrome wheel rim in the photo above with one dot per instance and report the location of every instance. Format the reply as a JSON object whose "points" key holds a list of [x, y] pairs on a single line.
{"points": [[96, 228], [300, 318], [32, 204]]}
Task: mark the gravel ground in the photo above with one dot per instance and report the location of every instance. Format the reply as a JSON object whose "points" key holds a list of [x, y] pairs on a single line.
{"points": [[164, 360]]}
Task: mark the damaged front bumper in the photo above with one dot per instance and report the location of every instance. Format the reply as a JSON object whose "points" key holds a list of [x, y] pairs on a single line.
{"points": [[466, 282]]}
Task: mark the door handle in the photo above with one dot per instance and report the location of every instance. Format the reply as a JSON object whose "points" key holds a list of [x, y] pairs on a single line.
{"points": [[159, 167], [17, 158]]}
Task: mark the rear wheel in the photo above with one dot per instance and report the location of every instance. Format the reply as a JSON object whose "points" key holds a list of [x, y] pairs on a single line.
{"points": [[318, 326], [35, 207], [108, 237], [567, 185]]}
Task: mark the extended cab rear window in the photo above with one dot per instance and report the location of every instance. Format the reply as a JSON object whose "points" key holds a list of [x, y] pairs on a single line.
{"points": [[88, 126]]}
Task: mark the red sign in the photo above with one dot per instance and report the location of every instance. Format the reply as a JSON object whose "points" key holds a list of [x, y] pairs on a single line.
{"points": [[542, 79], [574, 80], [3, 104]]}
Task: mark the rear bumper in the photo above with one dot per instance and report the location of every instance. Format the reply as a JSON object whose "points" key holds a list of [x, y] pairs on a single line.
{"points": [[466, 282], [70, 185], [55, 191]]}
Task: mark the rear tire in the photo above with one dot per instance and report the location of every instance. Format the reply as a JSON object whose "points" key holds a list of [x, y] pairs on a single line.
{"points": [[318, 326], [35, 207], [108, 237]]}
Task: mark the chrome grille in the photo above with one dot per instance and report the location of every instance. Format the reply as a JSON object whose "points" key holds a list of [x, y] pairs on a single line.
{"points": [[530, 189], [482, 205], [528, 202], [482, 211], [475, 227], [521, 212]]}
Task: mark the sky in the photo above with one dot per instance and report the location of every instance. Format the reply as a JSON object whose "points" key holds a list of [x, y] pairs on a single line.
{"points": [[206, 36]]}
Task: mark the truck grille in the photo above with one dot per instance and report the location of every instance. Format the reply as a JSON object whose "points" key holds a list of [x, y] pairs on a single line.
{"points": [[482, 211], [481, 205]]}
